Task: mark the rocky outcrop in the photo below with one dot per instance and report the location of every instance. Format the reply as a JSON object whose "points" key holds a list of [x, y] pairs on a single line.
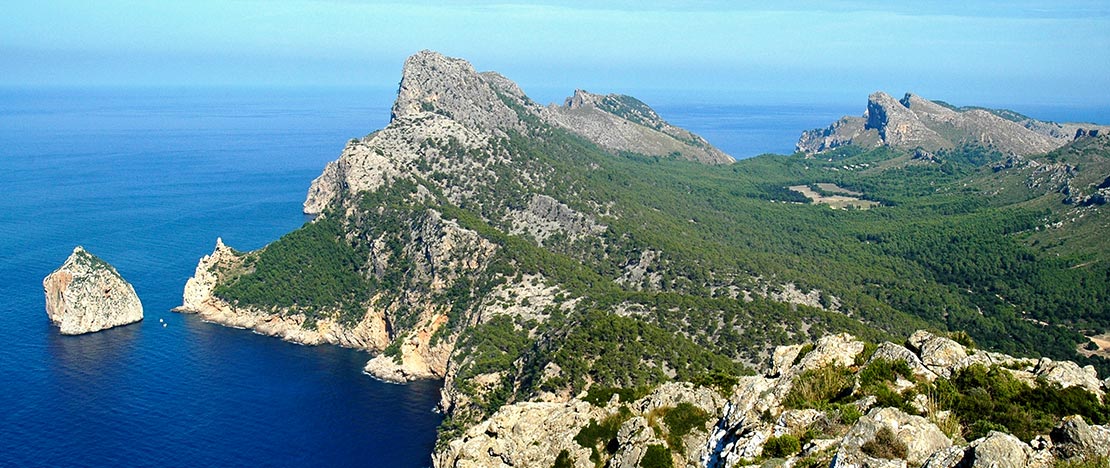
{"points": [[86, 294], [546, 216], [742, 425], [938, 354], [920, 437], [623, 123], [1074, 438], [917, 123], [432, 82], [535, 433]]}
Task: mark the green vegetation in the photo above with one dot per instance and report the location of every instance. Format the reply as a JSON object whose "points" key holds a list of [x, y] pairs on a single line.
{"points": [[955, 245], [599, 395], [680, 420], [309, 270], [601, 437], [985, 399], [657, 456], [818, 388], [563, 460], [782, 446]]}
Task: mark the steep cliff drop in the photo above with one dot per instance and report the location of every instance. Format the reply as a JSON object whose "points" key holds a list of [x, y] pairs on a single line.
{"points": [[86, 295]]}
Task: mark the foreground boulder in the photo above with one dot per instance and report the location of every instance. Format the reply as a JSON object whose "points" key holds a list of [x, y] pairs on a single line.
{"points": [[86, 294]]}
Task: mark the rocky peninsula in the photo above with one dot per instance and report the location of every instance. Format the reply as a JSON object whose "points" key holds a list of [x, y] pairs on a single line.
{"points": [[86, 295]]}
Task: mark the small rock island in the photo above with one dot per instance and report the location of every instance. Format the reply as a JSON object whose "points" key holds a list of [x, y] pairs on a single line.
{"points": [[86, 295]]}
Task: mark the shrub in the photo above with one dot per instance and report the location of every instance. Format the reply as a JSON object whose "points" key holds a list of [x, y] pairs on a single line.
{"points": [[962, 338], [603, 434], [680, 420], [885, 445], [782, 446], [657, 456], [982, 427], [806, 348], [816, 388], [599, 395]]}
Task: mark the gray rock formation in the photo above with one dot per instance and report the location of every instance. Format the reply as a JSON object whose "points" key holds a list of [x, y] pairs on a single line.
{"points": [[623, 123], [921, 438], [86, 294], [997, 450], [532, 434], [937, 353], [914, 122], [1074, 438]]}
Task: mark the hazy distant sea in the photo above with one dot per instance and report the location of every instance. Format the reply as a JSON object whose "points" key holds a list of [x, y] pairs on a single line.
{"points": [[147, 179]]}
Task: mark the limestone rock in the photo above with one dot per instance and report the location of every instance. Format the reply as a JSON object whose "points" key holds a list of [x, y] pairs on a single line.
{"points": [[86, 294], [917, 123], [432, 82], [949, 457], [937, 353], [623, 123], [369, 334], [997, 450], [892, 352], [1069, 374], [546, 216], [1074, 438], [840, 350], [523, 434], [922, 438]]}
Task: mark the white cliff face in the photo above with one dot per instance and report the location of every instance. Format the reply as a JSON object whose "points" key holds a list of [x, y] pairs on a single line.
{"points": [[368, 334], [86, 294]]}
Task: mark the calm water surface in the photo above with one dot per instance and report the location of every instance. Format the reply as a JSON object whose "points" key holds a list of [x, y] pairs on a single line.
{"points": [[147, 180]]}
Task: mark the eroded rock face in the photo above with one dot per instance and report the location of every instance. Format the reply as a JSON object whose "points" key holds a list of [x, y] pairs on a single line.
{"points": [[369, 334], [86, 294], [1074, 438], [998, 450], [914, 122], [524, 434], [921, 438], [937, 353]]}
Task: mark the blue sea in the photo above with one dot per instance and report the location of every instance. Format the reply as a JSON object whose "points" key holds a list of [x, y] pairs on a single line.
{"points": [[147, 179]]}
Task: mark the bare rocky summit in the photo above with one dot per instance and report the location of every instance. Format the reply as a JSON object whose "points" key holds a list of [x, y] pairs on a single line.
{"points": [[86, 295], [917, 123], [443, 99]]}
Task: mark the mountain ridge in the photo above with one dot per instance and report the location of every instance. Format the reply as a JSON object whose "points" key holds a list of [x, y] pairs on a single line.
{"points": [[477, 241], [917, 123]]}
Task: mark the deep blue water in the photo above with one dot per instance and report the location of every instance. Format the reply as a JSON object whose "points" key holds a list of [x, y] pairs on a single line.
{"points": [[147, 179]]}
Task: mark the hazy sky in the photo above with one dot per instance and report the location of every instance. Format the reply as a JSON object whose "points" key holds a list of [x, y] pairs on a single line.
{"points": [[965, 52]]}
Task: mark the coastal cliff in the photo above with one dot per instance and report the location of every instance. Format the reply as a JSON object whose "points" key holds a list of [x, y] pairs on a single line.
{"points": [[447, 140], [86, 295]]}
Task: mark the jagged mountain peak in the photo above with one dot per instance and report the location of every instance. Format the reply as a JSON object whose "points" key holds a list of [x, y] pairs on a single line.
{"points": [[493, 104], [915, 122], [433, 82]]}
